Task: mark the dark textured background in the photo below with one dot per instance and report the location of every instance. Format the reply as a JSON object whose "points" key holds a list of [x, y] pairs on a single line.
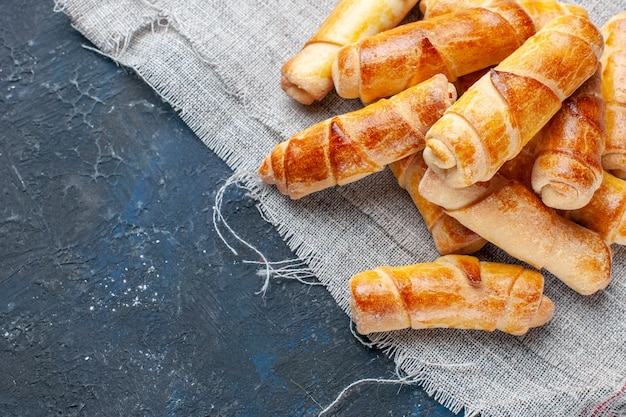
{"points": [[117, 298]]}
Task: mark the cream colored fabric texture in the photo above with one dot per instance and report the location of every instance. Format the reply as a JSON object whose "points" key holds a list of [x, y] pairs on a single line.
{"points": [[218, 63]]}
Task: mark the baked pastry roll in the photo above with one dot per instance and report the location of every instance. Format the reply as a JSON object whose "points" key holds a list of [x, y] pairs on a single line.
{"points": [[306, 77], [454, 291], [513, 217], [568, 157], [449, 236], [605, 214], [347, 147], [493, 120], [540, 11], [614, 92], [455, 44]]}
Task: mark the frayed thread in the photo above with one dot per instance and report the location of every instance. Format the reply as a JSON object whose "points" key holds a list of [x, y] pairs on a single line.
{"points": [[361, 338], [399, 380], [402, 378], [294, 269], [96, 50], [343, 393], [116, 43]]}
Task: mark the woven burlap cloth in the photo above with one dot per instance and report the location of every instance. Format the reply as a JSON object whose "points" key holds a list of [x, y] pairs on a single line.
{"points": [[218, 63]]}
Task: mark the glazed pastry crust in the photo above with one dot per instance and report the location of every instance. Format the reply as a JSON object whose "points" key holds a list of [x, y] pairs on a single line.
{"points": [[454, 291], [499, 114], [456, 44], [567, 169], [614, 92], [605, 214], [513, 217], [347, 147], [449, 236], [306, 77], [540, 11]]}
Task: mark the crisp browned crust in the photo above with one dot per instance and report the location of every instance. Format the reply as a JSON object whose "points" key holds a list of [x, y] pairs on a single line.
{"points": [[456, 44], [499, 114], [513, 217], [454, 291], [568, 157], [306, 77], [614, 92], [449, 236], [540, 11], [348, 147], [606, 212]]}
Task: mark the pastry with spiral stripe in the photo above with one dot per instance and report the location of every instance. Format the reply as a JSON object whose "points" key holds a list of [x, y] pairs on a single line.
{"points": [[350, 146], [455, 44], [605, 214], [614, 92], [454, 291], [306, 77], [449, 236], [499, 114], [511, 216], [540, 11], [567, 169]]}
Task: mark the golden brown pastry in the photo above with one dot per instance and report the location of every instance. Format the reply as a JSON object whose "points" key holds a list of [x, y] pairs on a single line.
{"points": [[348, 147], [306, 77], [449, 236], [562, 163], [606, 212], [493, 120], [540, 11], [454, 291], [512, 217], [568, 157], [614, 92], [455, 44]]}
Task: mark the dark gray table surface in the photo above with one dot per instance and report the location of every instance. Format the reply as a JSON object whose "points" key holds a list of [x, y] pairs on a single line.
{"points": [[117, 298]]}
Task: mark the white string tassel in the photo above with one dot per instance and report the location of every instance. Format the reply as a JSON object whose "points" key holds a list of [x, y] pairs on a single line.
{"points": [[402, 381], [295, 269], [406, 379]]}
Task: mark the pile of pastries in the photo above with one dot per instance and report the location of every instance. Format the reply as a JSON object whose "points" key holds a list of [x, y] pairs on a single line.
{"points": [[504, 120]]}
